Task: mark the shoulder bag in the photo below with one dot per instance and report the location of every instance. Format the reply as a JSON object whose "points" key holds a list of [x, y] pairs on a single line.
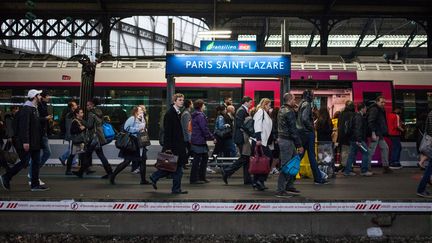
{"points": [[259, 163], [166, 162]]}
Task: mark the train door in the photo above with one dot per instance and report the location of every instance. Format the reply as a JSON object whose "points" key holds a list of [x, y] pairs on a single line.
{"points": [[259, 88], [366, 92]]}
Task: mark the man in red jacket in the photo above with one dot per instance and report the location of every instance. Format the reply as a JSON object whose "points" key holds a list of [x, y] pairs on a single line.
{"points": [[395, 129]]}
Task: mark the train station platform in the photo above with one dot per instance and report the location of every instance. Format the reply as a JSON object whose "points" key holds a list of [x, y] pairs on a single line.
{"points": [[348, 205]]}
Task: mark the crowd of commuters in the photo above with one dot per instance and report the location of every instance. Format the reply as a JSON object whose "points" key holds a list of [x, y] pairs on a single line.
{"points": [[277, 133]]}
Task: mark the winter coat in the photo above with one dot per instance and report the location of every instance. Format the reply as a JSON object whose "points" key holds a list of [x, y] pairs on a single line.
{"points": [[94, 123], [324, 130], [173, 133], [305, 119], [28, 127], [9, 120], [185, 118], [263, 126], [359, 128], [287, 128], [240, 117], [429, 124], [377, 121], [200, 131], [346, 115], [133, 126], [43, 113]]}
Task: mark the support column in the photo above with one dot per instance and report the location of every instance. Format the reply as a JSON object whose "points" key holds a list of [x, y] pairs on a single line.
{"points": [[324, 34], [105, 35], [429, 37], [285, 47], [170, 78], [87, 81]]}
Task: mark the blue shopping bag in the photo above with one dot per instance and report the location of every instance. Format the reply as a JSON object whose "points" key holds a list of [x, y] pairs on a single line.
{"points": [[292, 167]]}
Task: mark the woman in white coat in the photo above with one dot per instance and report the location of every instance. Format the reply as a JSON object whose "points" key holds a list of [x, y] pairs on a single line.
{"points": [[263, 128]]}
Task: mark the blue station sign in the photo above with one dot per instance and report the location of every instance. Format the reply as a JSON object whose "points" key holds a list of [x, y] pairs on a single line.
{"points": [[228, 46], [228, 65]]}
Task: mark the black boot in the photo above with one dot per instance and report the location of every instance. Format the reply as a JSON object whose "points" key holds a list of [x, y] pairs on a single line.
{"points": [[142, 169], [69, 165]]}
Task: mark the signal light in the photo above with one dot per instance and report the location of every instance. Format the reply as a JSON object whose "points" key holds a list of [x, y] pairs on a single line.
{"points": [[30, 4]]}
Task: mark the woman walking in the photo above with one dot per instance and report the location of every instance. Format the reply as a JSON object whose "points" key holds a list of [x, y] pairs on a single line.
{"points": [[135, 125], [263, 128], [78, 131], [199, 137]]}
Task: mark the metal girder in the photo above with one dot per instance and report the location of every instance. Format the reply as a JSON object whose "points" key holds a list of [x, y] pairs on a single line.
{"points": [[411, 37], [311, 39], [50, 29], [150, 35], [364, 32]]}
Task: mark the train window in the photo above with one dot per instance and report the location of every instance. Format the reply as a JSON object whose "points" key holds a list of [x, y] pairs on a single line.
{"points": [[258, 95], [369, 97], [409, 114]]}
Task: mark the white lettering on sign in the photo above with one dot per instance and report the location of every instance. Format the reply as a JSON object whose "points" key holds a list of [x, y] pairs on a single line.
{"points": [[260, 65], [199, 64]]}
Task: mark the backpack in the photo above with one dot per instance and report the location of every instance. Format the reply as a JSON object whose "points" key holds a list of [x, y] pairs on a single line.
{"points": [[108, 132], [68, 123]]}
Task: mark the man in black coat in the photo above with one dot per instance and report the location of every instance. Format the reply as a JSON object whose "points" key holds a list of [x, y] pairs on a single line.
{"points": [[240, 117], [27, 141], [173, 143], [377, 124]]}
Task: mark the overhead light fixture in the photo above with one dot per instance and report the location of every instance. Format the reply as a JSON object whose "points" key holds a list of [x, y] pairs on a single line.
{"points": [[225, 34]]}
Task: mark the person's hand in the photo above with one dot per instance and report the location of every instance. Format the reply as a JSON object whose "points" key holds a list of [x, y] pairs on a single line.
{"points": [[168, 151], [26, 147], [214, 141], [49, 117], [258, 143], [300, 150], [82, 127], [227, 125], [374, 137]]}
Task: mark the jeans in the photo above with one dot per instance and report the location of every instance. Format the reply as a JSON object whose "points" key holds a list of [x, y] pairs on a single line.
{"points": [[287, 151], [384, 150], [354, 148], [177, 175], [67, 152], [396, 150], [309, 146], [425, 179], [46, 153], [25, 157], [199, 167]]}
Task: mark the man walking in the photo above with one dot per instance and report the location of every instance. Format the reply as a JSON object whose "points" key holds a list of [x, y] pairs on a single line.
{"points": [[305, 125], [173, 143], [27, 141], [289, 143], [377, 123], [239, 140]]}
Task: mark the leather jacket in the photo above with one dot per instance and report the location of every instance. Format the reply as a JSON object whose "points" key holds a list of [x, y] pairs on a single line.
{"points": [[287, 128], [305, 119]]}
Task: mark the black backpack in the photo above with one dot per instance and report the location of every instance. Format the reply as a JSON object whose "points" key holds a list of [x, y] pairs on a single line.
{"points": [[248, 126]]}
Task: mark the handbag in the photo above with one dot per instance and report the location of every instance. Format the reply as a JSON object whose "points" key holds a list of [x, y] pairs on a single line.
{"points": [[8, 156], [426, 145], [143, 139], [224, 133], [292, 167], [125, 142], [166, 162], [259, 163]]}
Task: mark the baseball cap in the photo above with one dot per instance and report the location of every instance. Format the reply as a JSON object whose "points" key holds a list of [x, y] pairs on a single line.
{"points": [[33, 92]]}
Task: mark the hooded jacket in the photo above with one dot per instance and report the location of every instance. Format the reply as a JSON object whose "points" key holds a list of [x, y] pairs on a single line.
{"points": [[94, 124], [28, 127]]}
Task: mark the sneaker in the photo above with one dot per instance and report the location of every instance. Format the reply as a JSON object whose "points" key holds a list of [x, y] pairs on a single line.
{"points": [[40, 183], [395, 166], [323, 182], [4, 183], [424, 194], [350, 174], [283, 194], [39, 188], [136, 171], [210, 170], [62, 161], [274, 171], [367, 173], [293, 191]]}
